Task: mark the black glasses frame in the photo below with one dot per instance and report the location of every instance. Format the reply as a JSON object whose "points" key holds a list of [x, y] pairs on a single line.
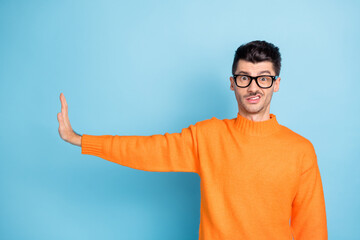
{"points": [[256, 80]]}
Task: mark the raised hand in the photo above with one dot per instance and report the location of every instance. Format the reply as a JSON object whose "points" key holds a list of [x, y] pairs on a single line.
{"points": [[65, 130]]}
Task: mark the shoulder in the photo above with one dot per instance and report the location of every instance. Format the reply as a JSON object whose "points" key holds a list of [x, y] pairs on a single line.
{"points": [[213, 125], [295, 138], [297, 142], [302, 146]]}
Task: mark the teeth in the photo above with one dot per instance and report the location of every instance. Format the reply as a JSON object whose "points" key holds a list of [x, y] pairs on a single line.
{"points": [[253, 98]]}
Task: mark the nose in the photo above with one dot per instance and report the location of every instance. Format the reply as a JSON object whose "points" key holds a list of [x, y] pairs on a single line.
{"points": [[253, 87]]}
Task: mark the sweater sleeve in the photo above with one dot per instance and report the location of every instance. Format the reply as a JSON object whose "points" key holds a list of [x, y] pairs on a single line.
{"points": [[308, 219], [176, 152]]}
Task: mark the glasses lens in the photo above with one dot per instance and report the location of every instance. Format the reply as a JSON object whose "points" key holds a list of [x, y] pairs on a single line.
{"points": [[264, 81], [242, 81]]}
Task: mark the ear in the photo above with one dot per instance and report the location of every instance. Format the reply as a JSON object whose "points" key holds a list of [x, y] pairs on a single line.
{"points": [[232, 84], [277, 84]]}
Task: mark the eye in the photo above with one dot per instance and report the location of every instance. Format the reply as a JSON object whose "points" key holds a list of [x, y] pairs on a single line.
{"points": [[244, 78], [263, 79]]}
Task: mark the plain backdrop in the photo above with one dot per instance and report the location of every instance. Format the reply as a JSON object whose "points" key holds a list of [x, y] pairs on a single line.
{"points": [[151, 67]]}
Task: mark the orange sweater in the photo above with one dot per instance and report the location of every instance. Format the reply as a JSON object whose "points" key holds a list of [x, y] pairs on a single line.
{"points": [[255, 176]]}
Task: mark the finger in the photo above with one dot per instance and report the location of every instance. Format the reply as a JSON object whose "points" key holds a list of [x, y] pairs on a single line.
{"points": [[59, 117], [61, 124], [64, 106], [61, 121], [63, 131], [63, 96], [65, 114]]}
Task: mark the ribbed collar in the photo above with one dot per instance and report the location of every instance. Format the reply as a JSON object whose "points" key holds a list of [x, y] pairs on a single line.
{"points": [[262, 128]]}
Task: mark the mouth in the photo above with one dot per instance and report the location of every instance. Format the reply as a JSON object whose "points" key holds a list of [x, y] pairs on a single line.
{"points": [[253, 99]]}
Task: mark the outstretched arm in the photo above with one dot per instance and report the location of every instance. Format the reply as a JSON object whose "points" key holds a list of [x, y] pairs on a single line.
{"points": [[168, 152], [65, 130], [175, 152]]}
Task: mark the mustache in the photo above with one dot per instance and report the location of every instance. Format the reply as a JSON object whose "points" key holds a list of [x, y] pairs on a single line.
{"points": [[253, 94]]}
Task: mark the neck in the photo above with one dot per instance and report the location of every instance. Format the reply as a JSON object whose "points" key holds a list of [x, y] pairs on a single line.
{"points": [[257, 128], [256, 117]]}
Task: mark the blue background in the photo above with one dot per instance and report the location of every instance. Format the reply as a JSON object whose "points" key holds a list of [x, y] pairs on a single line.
{"points": [[148, 67]]}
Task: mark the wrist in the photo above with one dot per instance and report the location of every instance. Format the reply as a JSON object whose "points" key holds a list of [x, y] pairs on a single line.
{"points": [[76, 139]]}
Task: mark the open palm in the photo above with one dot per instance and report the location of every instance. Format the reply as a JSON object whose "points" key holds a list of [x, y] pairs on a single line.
{"points": [[65, 130]]}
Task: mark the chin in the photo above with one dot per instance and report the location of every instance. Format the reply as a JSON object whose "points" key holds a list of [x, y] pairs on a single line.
{"points": [[253, 110]]}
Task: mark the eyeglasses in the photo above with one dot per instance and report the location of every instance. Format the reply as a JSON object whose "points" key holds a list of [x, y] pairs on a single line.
{"points": [[265, 81]]}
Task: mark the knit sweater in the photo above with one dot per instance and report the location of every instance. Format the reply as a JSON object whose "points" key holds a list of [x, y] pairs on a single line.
{"points": [[259, 180]]}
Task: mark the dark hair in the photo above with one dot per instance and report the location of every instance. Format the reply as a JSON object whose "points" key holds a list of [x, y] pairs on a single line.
{"points": [[258, 51]]}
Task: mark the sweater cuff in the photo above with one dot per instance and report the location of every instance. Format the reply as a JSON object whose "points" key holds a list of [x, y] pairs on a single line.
{"points": [[92, 145]]}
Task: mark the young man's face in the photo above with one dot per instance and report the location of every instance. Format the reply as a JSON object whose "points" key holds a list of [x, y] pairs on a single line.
{"points": [[253, 101]]}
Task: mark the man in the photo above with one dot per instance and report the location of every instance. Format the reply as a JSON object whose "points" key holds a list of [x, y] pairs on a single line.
{"points": [[259, 179]]}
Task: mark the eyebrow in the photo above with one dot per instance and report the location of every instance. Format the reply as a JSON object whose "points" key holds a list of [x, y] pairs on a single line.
{"points": [[266, 71], [262, 72]]}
